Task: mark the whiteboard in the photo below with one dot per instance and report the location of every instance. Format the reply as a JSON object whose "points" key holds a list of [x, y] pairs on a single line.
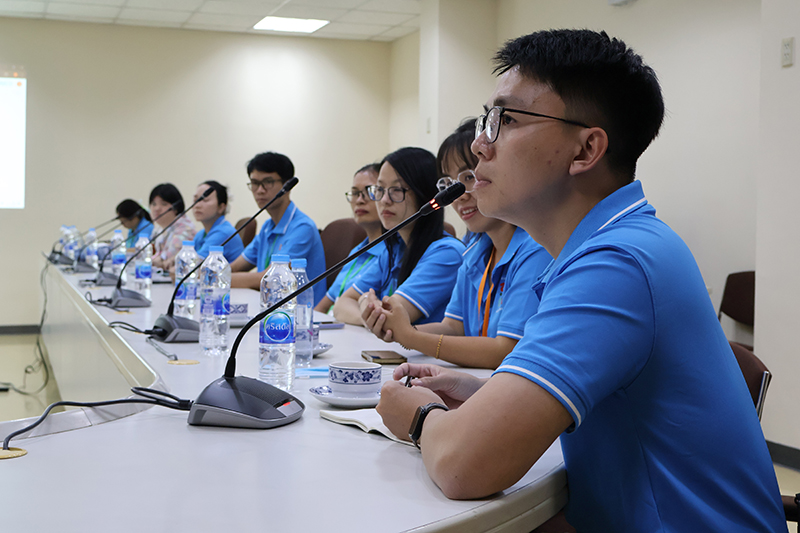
{"points": [[13, 101]]}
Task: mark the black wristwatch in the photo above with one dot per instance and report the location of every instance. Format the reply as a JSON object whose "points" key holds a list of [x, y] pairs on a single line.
{"points": [[415, 431]]}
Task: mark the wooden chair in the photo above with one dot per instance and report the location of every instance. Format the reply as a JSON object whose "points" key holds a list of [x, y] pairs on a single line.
{"points": [[755, 372], [739, 297], [338, 238], [249, 233]]}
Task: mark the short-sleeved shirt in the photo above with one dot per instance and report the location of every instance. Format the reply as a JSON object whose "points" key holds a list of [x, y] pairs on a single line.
{"points": [[220, 231], [143, 229], [295, 235], [351, 272], [665, 434], [430, 284], [513, 302], [170, 243]]}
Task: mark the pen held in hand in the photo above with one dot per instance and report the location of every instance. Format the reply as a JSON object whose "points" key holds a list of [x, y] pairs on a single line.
{"points": [[408, 380]]}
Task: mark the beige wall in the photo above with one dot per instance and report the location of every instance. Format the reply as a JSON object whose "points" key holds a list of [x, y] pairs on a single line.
{"points": [[405, 122], [114, 110], [700, 173], [778, 223]]}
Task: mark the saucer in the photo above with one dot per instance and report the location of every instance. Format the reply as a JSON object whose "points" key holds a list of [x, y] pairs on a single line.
{"points": [[321, 348], [325, 394]]}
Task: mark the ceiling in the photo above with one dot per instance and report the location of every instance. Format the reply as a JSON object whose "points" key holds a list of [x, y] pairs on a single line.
{"points": [[376, 20]]}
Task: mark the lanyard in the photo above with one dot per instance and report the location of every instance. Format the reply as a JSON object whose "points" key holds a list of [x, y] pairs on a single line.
{"points": [[269, 253], [350, 274], [487, 274]]}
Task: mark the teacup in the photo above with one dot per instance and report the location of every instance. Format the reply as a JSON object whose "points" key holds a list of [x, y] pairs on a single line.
{"points": [[355, 377]]}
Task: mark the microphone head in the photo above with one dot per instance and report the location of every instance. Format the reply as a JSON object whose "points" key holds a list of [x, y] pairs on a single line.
{"points": [[447, 196], [289, 185], [207, 193]]}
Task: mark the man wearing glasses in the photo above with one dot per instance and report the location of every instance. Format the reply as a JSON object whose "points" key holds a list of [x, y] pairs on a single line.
{"points": [[288, 231], [625, 360]]}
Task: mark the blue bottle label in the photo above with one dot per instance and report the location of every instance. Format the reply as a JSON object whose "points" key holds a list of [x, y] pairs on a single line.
{"points": [[277, 328], [222, 305], [181, 294], [117, 258], [144, 271]]}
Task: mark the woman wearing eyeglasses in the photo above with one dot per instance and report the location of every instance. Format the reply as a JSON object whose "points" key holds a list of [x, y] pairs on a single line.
{"points": [[421, 260], [365, 213], [492, 298], [210, 212]]}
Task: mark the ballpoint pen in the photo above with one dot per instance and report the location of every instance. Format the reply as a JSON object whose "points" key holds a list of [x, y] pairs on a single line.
{"points": [[408, 380]]}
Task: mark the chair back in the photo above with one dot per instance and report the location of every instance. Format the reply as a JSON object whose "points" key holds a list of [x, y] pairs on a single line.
{"points": [[249, 233], [755, 372], [739, 297], [338, 238], [450, 229]]}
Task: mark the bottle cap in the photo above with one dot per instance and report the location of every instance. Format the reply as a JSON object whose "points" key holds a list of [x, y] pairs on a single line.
{"points": [[91, 229], [279, 258], [215, 249], [299, 262], [117, 231], [188, 243]]}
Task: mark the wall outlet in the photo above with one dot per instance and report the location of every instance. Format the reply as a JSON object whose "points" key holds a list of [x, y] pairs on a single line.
{"points": [[787, 52]]}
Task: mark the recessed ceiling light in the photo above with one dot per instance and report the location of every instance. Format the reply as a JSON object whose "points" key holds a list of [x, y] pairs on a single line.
{"points": [[290, 24]]}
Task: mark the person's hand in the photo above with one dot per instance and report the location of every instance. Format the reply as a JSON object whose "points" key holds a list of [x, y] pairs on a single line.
{"points": [[371, 312], [452, 386], [172, 272], [399, 403], [396, 323]]}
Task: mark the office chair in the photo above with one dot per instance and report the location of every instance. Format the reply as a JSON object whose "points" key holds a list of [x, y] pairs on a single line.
{"points": [[249, 232], [738, 298], [338, 238]]}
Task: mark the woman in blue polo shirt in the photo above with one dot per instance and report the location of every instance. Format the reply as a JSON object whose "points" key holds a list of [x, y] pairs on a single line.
{"points": [[493, 296], [210, 212], [365, 213], [421, 261], [136, 219]]}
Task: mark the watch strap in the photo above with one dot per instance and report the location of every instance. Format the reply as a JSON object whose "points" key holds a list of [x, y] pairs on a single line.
{"points": [[415, 431]]}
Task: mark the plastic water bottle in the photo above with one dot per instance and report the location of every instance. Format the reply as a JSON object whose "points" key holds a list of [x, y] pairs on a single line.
{"points": [[72, 242], [185, 262], [91, 248], [117, 252], [304, 317], [215, 302], [144, 267], [276, 331]]}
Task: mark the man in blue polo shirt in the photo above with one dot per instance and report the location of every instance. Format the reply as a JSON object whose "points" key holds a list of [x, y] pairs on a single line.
{"points": [[288, 231], [625, 360]]}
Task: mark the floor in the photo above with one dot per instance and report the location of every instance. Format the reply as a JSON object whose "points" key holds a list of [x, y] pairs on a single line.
{"points": [[18, 353]]}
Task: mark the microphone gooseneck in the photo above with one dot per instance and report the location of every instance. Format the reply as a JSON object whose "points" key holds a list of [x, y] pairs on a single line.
{"points": [[288, 186], [137, 232], [443, 199]]}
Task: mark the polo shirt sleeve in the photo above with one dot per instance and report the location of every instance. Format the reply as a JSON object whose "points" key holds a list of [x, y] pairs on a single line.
{"points": [[519, 300], [299, 240], [593, 333], [430, 284], [215, 238], [455, 309], [251, 251]]}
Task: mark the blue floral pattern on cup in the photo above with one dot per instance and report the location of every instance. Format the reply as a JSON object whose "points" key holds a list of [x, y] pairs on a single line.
{"points": [[355, 377]]}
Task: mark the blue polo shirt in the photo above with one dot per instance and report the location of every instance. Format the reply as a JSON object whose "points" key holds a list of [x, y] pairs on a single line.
{"points": [[513, 301], [665, 434], [295, 235], [430, 284], [220, 230], [143, 229], [351, 272]]}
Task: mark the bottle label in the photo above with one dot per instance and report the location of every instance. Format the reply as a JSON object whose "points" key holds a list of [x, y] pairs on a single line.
{"points": [[215, 304], [277, 328], [181, 294], [91, 250], [222, 305], [117, 258], [144, 271]]}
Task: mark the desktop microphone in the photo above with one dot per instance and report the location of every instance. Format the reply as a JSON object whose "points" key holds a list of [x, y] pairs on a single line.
{"points": [[181, 329], [58, 257], [129, 298], [104, 279], [239, 401]]}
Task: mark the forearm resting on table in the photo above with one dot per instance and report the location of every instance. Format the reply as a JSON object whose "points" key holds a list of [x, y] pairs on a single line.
{"points": [[493, 439], [346, 308], [246, 280], [475, 352]]}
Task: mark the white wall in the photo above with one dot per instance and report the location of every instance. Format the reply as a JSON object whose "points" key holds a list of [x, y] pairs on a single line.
{"points": [[700, 173], [778, 223], [114, 110], [404, 87]]}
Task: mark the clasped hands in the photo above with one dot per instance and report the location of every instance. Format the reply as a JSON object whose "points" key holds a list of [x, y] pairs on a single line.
{"points": [[387, 318]]}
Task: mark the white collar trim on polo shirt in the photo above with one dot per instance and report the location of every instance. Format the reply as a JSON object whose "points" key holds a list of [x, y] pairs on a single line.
{"points": [[630, 207]]}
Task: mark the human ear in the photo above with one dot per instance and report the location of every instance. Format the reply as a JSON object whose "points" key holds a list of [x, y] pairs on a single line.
{"points": [[593, 146]]}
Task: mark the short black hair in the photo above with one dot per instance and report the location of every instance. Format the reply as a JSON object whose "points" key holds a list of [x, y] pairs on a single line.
{"points": [[272, 162], [170, 194], [374, 168], [457, 145], [220, 189], [131, 209], [602, 83]]}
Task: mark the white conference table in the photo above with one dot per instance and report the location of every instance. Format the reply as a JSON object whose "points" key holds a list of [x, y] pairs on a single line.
{"points": [[133, 469]]}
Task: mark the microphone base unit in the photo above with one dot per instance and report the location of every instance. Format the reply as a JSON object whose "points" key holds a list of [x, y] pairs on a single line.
{"points": [[129, 298], [177, 329], [83, 268], [242, 402], [57, 258], [104, 279]]}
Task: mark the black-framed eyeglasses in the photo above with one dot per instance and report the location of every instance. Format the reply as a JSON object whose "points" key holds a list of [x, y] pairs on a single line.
{"points": [[490, 121], [396, 194], [355, 194], [467, 177], [253, 185]]}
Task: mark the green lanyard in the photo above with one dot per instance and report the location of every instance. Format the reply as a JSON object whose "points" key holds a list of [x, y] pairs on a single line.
{"points": [[269, 254], [351, 274]]}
